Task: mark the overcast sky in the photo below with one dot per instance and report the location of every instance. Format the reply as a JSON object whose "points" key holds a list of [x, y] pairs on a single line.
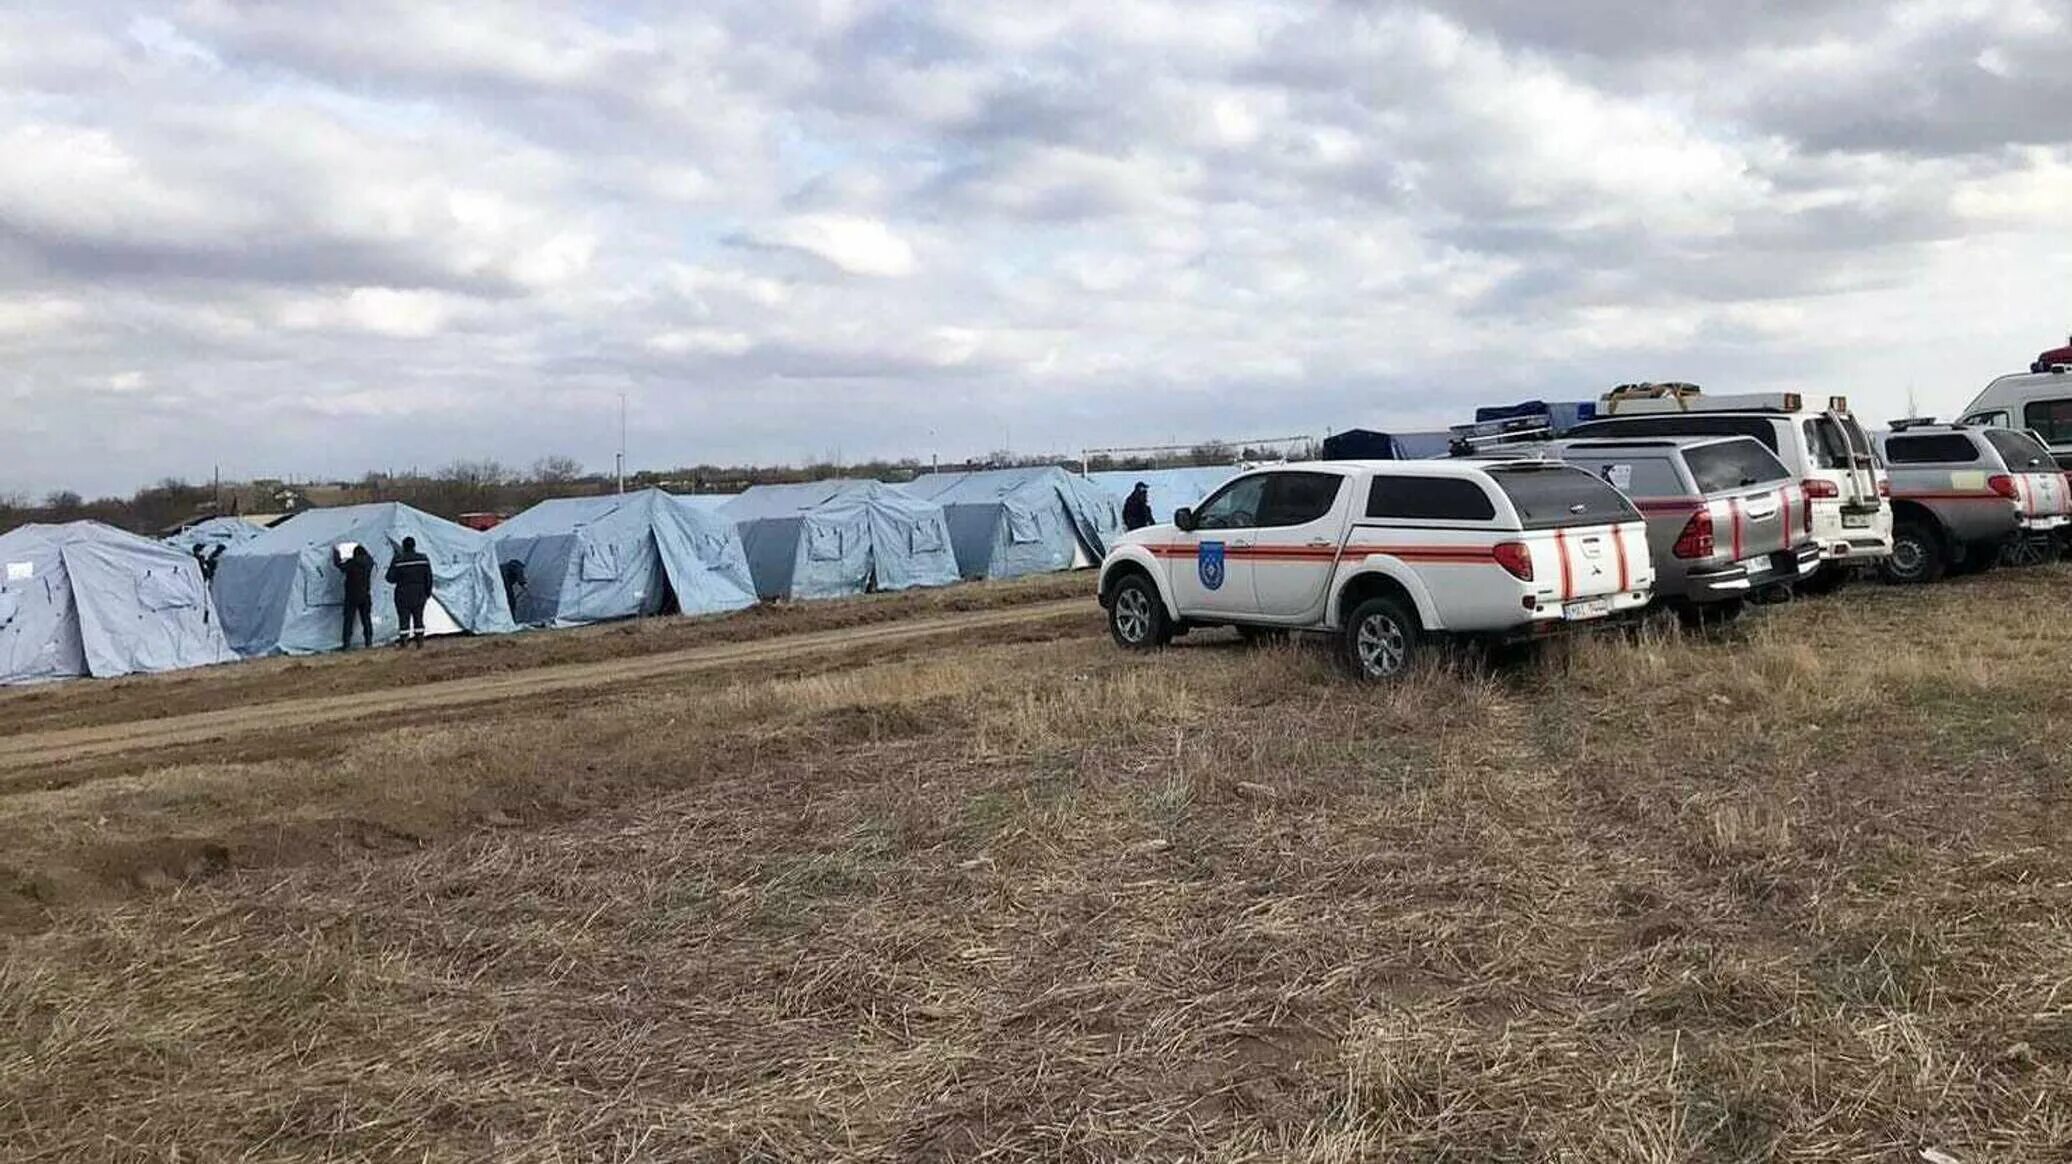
{"points": [[312, 239]]}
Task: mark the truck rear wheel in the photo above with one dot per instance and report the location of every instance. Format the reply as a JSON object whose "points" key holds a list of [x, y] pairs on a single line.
{"points": [[1137, 617], [1381, 639], [1917, 555]]}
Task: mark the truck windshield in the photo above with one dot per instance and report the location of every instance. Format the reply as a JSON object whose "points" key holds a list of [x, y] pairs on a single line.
{"points": [[2021, 453], [1733, 465], [1552, 496]]}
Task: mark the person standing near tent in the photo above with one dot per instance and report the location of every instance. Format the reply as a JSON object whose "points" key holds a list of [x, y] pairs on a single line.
{"points": [[411, 574], [1136, 512], [359, 594], [206, 557], [514, 584]]}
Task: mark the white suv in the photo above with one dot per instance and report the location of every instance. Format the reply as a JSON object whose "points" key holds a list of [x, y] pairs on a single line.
{"points": [[1385, 554], [1825, 448]]}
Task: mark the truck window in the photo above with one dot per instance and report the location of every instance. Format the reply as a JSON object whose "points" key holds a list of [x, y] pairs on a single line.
{"points": [[1633, 476], [1298, 498], [2021, 453], [1429, 499], [1828, 443], [1930, 448], [2052, 420], [1235, 506], [1548, 496], [1859, 440], [1733, 465], [1762, 428]]}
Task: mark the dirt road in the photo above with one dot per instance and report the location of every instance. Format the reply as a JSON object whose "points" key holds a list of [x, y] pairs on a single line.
{"points": [[71, 744]]}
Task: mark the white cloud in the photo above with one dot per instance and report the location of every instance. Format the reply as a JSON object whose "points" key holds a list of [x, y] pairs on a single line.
{"points": [[39, 315], [858, 245], [383, 311]]}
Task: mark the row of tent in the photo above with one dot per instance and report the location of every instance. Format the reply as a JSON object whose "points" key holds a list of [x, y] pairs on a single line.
{"points": [[86, 599]]}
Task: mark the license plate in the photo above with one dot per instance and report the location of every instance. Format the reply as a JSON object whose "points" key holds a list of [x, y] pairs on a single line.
{"points": [[1856, 521], [1586, 609]]}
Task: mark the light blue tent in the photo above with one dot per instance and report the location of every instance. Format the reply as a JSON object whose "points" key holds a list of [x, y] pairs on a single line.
{"points": [[706, 501], [1171, 489], [280, 594], [87, 599], [214, 531], [825, 539], [1005, 523], [589, 559]]}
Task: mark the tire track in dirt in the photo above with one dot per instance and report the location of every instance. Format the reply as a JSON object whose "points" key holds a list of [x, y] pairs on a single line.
{"points": [[71, 744]]}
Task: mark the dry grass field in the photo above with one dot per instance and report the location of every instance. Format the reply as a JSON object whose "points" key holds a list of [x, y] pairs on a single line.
{"points": [[1797, 892]]}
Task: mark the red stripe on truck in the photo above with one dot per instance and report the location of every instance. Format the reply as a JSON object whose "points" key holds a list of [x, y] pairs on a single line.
{"points": [[1561, 549]]}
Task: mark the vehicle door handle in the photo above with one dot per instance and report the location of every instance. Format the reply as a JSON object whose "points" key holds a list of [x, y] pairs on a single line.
{"points": [[1241, 543], [1322, 543]]}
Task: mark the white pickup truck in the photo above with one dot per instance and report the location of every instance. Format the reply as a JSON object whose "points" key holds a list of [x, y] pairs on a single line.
{"points": [[1385, 554]]}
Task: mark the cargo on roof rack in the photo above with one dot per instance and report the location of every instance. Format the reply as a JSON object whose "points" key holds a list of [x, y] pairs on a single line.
{"points": [[1641, 399]]}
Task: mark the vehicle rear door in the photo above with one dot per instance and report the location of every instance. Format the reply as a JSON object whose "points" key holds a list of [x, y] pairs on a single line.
{"points": [[1209, 567], [2038, 482], [1756, 506], [1841, 478], [1587, 541], [1295, 546]]}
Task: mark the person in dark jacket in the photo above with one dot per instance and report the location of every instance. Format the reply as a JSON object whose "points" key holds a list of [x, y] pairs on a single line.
{"points": [[206, 557], [514, 584], [1136, 512], [359, 594], [411, 574]]}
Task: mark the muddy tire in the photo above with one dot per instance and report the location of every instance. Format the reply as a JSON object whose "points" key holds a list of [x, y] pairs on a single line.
{"points": [[1137, 616], [1917, 557], [1382, 640]]}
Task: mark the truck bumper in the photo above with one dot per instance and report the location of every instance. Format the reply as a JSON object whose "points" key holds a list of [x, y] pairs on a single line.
{"points": [[1745, 577]]}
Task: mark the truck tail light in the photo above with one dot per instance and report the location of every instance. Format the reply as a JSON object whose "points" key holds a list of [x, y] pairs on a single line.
{"points": [[1813, 487], [2003, 485], [1515, 558], [1885, 486], [1696, 539]]}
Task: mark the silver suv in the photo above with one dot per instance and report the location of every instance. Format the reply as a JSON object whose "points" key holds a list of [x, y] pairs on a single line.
{"points": [[1726, 520], [1964, 497]]}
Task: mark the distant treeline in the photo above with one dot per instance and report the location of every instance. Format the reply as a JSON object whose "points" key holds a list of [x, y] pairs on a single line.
{"points": [[465, 487]]}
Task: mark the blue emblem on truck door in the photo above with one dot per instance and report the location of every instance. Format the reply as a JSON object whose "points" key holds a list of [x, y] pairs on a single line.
{"points": [[1208, 561]]}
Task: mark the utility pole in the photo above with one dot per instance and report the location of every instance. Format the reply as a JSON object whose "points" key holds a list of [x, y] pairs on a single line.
{"points": [[622, 442]]}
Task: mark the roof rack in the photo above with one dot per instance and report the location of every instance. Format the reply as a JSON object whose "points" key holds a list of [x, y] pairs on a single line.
{"points": [[1921, 422], [1472, 438], [1643, 399]]}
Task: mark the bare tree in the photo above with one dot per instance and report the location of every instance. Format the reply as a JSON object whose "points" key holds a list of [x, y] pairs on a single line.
{"points": [[556, 470]]}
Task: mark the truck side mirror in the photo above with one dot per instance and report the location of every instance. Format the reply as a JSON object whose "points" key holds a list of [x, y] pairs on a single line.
{"points": [[1183, 518]]}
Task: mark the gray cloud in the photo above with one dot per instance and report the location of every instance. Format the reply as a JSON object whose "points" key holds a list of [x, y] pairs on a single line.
{"points": [[294, 240]]}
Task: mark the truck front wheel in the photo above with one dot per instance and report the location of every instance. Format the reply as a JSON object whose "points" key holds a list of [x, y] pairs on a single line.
{"points": [[1381, 639], [1136, 616]]}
